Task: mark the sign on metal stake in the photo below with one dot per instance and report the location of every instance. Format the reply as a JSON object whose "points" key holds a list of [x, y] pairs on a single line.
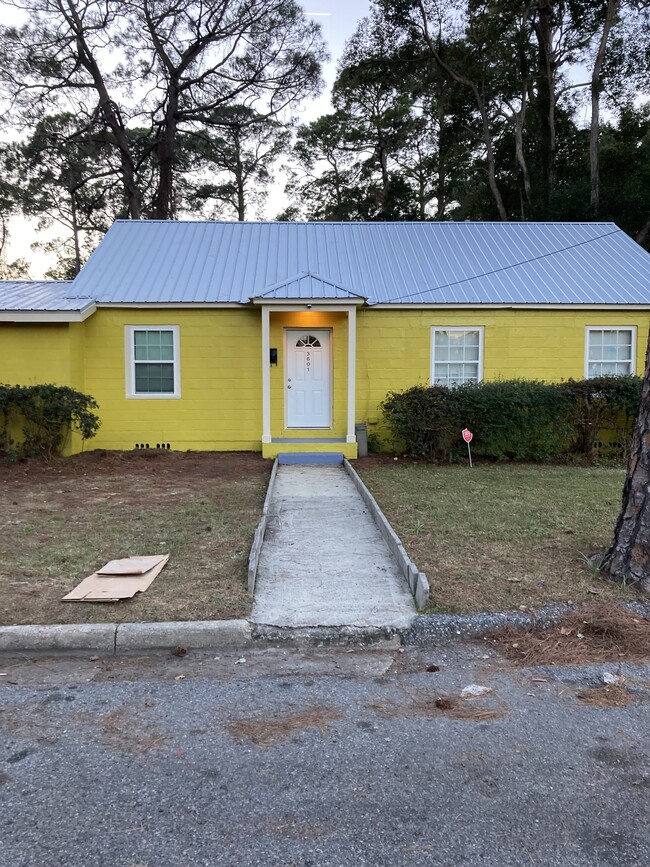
{"points": [[468, 436]]}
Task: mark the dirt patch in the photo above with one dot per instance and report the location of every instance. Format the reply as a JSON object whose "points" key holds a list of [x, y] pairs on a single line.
{"points": [[594, 633], [610, 695], [119, 731], [270, 732], [424, 705], [64, 518]]}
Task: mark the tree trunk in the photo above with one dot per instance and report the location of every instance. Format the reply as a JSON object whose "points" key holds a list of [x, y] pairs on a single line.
{"points": [[489, 156], [546, 97], [75, 234], [628, 559], [163, 200], [107, 110], [441, 186], [596, 87], [643, 232], [520, 120], [459, 78], [239, 180]]}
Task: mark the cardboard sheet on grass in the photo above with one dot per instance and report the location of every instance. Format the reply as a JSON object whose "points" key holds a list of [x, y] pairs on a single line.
{"points": [[119, 579]]}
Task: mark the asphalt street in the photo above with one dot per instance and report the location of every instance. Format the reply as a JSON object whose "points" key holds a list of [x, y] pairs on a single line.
{"points": [[320, 757]]}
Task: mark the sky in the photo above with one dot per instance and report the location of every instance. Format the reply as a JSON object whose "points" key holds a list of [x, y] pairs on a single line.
{"points": [[338, 20]]}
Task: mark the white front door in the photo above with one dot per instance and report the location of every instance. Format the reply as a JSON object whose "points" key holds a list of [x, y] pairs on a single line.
{"points": [[307, 388]]}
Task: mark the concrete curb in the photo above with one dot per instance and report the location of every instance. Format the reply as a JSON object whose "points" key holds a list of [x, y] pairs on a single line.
{"points": [[416, 580], [258, 538], [122, 638], [191, 634], [112, 639], [99, 637]]}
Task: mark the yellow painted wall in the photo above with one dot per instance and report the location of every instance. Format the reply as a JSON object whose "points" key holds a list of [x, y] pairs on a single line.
{"points": [[221, 390], [338, 325], [221, 382], [394, 346], [35, 354], [43, 354]]}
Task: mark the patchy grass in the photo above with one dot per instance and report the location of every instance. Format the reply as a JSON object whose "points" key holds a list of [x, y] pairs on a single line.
{"points": [[501, 536], [62, 520]]}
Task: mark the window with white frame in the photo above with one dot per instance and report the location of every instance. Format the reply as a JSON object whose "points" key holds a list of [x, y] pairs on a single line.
{"points": [[153, 368], [456, 355], [610, 351]]}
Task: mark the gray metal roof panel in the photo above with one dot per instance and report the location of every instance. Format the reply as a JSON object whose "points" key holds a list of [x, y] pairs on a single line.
{"points": [[449, 263], [303, 286], [41, 296]]}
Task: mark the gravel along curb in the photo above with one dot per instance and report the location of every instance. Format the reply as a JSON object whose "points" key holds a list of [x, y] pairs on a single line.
{"points": [[430, 628]]}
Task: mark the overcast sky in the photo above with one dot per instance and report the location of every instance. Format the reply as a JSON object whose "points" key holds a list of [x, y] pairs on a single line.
{"points": [[338, 19]]}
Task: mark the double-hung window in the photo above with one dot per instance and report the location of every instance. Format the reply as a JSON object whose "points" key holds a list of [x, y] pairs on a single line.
{"points": [[610, 351], [456, 355], [153, 364]]}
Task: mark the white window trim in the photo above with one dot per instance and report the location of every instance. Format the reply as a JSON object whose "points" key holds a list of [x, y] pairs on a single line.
{"points": [[434, 328], [590, 328], [130, 362]]}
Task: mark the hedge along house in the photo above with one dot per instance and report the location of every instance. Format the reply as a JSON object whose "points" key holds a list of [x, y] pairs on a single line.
{"points": [[283, 336]]}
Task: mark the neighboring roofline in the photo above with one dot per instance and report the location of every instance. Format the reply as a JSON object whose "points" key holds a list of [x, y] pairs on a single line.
{"points": [[45, 316]]}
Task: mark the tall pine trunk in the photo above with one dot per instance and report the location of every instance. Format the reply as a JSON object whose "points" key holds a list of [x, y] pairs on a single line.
{"points": [[628, 559], [596, 88]]}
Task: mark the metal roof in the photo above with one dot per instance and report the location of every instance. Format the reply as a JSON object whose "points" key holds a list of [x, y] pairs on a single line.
{"points": [[35, 295], [412, 263], [308, 286]]}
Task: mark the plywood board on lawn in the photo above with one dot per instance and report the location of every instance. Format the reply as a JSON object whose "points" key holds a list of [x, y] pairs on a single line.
{"points": [[111, 588]]}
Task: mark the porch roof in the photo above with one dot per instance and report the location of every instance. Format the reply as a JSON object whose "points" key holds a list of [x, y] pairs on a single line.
{"points": [[306, 285]]}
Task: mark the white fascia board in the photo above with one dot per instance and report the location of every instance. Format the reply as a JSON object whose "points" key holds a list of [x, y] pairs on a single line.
{"points": [[314, 303], [172, 305], [45, 316]]}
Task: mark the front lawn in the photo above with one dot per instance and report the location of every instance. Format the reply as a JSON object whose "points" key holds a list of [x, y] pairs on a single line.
{"points": [[62, 520], [500, 536]]}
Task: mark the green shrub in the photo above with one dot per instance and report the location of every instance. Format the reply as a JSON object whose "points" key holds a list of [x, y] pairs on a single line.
{"points": [[422, 420], [37, 419], [514, 419], [601, 406], [517, 419]]}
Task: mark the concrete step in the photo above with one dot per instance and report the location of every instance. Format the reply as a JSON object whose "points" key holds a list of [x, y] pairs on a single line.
{"points": [[326, 459]]}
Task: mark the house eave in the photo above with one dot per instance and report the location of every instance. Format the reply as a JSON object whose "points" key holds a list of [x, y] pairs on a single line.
{"points": [[47, 316], [168, 305], [477, 305], [308, 303]]}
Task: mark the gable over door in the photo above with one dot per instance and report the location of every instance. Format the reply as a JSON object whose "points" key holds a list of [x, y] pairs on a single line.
{"points": [[308, 400]]}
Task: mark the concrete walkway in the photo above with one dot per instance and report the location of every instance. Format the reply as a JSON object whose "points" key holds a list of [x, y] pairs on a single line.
{"points": [[323, 561]]}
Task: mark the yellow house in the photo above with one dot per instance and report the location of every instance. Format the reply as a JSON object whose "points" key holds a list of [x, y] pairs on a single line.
{"points": [[283, 337]]}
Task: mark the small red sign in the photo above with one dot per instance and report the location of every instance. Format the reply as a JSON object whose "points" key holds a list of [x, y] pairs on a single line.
{"points": [[468, 436]]}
